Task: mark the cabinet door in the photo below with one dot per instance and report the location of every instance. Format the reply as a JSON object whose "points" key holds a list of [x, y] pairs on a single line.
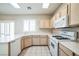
{"points": [[61, 53], [45, 23], [15, 47], [41, 23], [63, 10], [76, 54], [36, 40], [52, 21], [22, 43], [74, 20], [66, 50], [27, 41], [43, 40], [4, 50], [57, 15]]}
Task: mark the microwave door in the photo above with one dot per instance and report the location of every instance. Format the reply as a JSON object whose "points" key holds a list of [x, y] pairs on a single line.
{"points": [[62, 22]]}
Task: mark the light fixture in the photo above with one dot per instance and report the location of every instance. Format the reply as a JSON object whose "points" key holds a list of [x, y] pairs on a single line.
{"points": [[45, 5], [15, 5]]}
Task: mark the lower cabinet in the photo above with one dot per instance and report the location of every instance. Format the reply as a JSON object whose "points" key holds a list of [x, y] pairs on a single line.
{"points": [[10, 49], [61, 53], [43, 40], [64, 51], [76, 54], [22, 43], [26, 41], [36, 40], [4, 49], [40, 40], [15, 47]]}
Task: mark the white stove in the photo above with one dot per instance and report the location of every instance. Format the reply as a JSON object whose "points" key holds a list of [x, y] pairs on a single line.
{"points": [[63, 36]]}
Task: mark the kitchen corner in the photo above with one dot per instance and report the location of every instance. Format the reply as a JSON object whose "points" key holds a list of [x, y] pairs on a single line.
{"points": [[14, 44]]}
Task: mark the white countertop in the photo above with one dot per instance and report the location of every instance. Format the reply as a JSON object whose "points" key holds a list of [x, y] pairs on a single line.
{"points": [[8, 39], [73, 46]]}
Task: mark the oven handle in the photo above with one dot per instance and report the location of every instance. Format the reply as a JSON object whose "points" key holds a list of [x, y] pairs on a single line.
{"points": [[52, 45]]}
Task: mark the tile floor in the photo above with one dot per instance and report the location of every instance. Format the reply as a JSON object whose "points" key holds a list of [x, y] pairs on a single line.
{"points": [[36, 51]]}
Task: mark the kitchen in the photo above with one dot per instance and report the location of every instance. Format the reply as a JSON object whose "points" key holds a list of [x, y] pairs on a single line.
{"points": [[33, 30]]}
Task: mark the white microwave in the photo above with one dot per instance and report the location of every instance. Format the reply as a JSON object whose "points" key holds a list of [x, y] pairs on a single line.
{"points": [[61, 22]]}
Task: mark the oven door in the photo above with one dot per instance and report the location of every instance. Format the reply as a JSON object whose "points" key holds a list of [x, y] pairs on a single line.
{"points": [[54, 48]]}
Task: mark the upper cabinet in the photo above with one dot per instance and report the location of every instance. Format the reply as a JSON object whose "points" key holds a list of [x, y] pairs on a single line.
{"points": [[57, 15], [52, 21], [45, 23], [74, 14], [63, 10]]}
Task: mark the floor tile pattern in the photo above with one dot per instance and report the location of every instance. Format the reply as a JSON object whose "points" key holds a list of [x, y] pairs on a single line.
{"points": [[36, 51]]}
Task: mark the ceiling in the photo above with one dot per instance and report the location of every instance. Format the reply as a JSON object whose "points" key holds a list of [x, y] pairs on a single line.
{"points": [[6, 8]]}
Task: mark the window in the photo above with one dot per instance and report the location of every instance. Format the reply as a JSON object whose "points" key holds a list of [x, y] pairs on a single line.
{"points": [[29, 25], [6, 29]]}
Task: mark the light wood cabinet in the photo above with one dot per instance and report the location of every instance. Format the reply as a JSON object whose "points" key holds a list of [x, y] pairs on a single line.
{"points": [[76, 54], [22, 43], [74, 14], [72, 10], [43, 40], [61, 53], [26, 41], [57, 15], [64, 10], [52, 21], [40, 40], [64, 51], [42, 23], [45, 23], [36, 40]]}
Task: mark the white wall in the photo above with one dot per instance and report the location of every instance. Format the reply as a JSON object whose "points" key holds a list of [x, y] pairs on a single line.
{"points": [[18, 19]]}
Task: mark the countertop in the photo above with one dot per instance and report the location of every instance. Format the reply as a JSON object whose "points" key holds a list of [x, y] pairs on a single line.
{"points": [[73, 46], [8, 39]]}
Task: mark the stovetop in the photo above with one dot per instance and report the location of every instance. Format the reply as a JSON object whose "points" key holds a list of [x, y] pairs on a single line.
{"points": [[56, 36], [59, 37]]}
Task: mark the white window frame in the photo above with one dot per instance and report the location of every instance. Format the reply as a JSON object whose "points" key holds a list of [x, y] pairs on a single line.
{"points": [[29, 25], [4, 31]]}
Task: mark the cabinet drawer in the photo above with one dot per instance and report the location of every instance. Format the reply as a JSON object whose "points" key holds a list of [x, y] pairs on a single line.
{"points": [[65, 50]]}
